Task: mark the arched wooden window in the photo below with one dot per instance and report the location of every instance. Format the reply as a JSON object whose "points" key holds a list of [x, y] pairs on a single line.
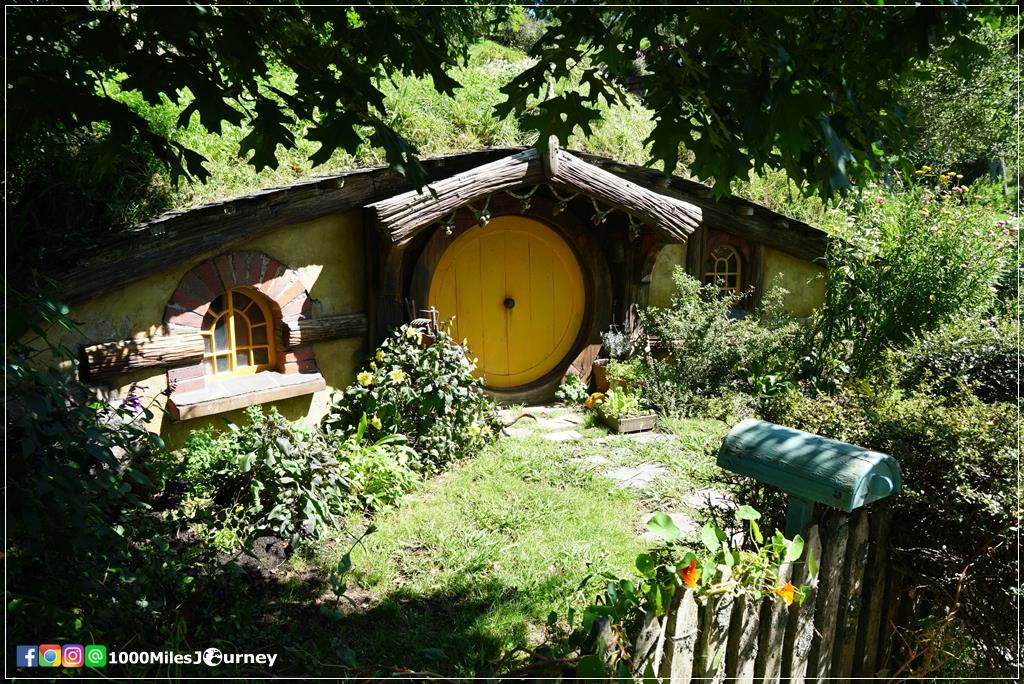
{"points": [[724, 269], [238, 335]]}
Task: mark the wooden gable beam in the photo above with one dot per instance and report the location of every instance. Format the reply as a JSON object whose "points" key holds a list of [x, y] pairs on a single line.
{"points": [[675, 218], [402, 217]]}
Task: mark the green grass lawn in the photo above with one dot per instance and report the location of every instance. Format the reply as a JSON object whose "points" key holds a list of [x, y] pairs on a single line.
{"points": [[461, 576]]}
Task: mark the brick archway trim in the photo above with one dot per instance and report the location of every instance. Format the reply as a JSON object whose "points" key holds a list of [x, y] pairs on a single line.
{"points": [[280, 286]]}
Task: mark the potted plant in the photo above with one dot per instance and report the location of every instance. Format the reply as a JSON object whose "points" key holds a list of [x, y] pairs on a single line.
{"points": [[618, 345], [624, 375], [623, 412]]}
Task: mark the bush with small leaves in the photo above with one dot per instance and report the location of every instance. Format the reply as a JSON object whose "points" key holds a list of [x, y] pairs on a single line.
{"points": [[423, 389]]}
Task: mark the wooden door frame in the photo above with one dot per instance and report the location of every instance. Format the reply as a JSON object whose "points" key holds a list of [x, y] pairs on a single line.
{"points": [[597, 287]]}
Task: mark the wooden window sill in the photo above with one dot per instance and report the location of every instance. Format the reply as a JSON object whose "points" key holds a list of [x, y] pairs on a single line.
{"points": [[220, 396]]}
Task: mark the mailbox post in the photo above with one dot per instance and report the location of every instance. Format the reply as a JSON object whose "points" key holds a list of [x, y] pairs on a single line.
{"points": [[809, 468]]}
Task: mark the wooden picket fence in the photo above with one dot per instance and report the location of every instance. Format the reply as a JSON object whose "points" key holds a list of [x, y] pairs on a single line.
{"points": [[842, 632]]}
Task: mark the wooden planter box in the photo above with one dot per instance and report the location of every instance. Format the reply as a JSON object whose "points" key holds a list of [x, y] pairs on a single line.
{"points": [[631, 423]]}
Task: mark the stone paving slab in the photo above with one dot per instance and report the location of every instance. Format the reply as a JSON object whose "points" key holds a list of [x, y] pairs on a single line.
{"points": [[649, 437], [564, 436], [518, 431], [702, 498], [559, 422], [637, 477]]}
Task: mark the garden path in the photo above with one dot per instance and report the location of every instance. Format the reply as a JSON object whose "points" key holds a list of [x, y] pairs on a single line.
{"points": [[647, 463], [463, 574]]}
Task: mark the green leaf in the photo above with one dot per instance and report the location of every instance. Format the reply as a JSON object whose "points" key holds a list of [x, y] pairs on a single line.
{"points": [[795, 549], [645, 565], [747, 513], [755, 530], [591, 667], [712, 536], [661, 524], [728, 555], [812, 563]]}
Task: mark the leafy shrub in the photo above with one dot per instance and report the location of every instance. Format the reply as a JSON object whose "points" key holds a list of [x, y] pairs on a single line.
{"points": [[572, 390], [959, 458], [280, 477], [626, 373], [912, 261], [85, 554], [979, 353], [427, 393], [707, 351]]}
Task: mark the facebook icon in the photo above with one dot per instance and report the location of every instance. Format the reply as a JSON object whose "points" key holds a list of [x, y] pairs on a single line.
{"points": [[26, 656]]}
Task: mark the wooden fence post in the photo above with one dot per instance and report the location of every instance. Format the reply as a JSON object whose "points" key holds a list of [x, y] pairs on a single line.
{"points": [[826, 608], [681, 642], [887, 636], [848, 619], [741, 652], [774, 615], [866, 654], [714, 634], [800, 628], [650, 643]]}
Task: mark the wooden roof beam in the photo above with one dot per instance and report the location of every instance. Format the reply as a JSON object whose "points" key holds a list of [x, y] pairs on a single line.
{"points": [[401, 217], [675, 218]]}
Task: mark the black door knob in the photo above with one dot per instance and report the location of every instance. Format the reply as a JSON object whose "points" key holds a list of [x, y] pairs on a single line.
{"points": [[509, 303]]}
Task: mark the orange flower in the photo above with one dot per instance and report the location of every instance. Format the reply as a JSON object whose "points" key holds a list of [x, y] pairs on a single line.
{"points": [[690, 574], [593, 400], [788, 592]]}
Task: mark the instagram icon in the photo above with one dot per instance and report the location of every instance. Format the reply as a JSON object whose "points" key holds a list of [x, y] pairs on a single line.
{"points": [[72, 655]]}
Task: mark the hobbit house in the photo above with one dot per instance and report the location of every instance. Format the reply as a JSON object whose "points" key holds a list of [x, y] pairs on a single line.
{"points": [[278, 296]]}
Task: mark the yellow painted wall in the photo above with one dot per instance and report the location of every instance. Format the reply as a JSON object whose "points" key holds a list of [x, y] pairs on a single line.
{"points": [[661, 288], [328, 255], [803, 281]]}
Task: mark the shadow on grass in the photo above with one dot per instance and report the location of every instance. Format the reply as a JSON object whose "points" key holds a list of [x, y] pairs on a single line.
{"points": [[297, 618], [448, 631]]}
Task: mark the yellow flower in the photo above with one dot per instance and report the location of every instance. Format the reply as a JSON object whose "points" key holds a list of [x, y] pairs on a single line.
{"points": [[411, 332], [365, 378], [373, 365], [486, 429], [473, 430], [375, 422], [788, 592], [379, 355], [593, 400], [238, 508], [397, 375], [931, 297]]}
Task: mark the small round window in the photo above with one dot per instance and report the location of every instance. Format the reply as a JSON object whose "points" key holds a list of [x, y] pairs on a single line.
{"points": [[238, 335]]}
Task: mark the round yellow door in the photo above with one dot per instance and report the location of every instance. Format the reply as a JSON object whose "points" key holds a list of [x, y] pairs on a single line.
{"points": [[516, 291]]}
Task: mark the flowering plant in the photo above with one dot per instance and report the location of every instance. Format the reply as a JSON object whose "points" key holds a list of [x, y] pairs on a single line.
{"points": [[722, 566], [427, 392]]}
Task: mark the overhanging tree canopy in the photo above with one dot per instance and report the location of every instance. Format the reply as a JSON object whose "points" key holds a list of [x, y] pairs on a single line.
{"points": [[803, 89]]}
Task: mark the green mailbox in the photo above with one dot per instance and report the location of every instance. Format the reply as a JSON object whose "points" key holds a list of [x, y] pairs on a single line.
{"points": [[810, 468]]}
